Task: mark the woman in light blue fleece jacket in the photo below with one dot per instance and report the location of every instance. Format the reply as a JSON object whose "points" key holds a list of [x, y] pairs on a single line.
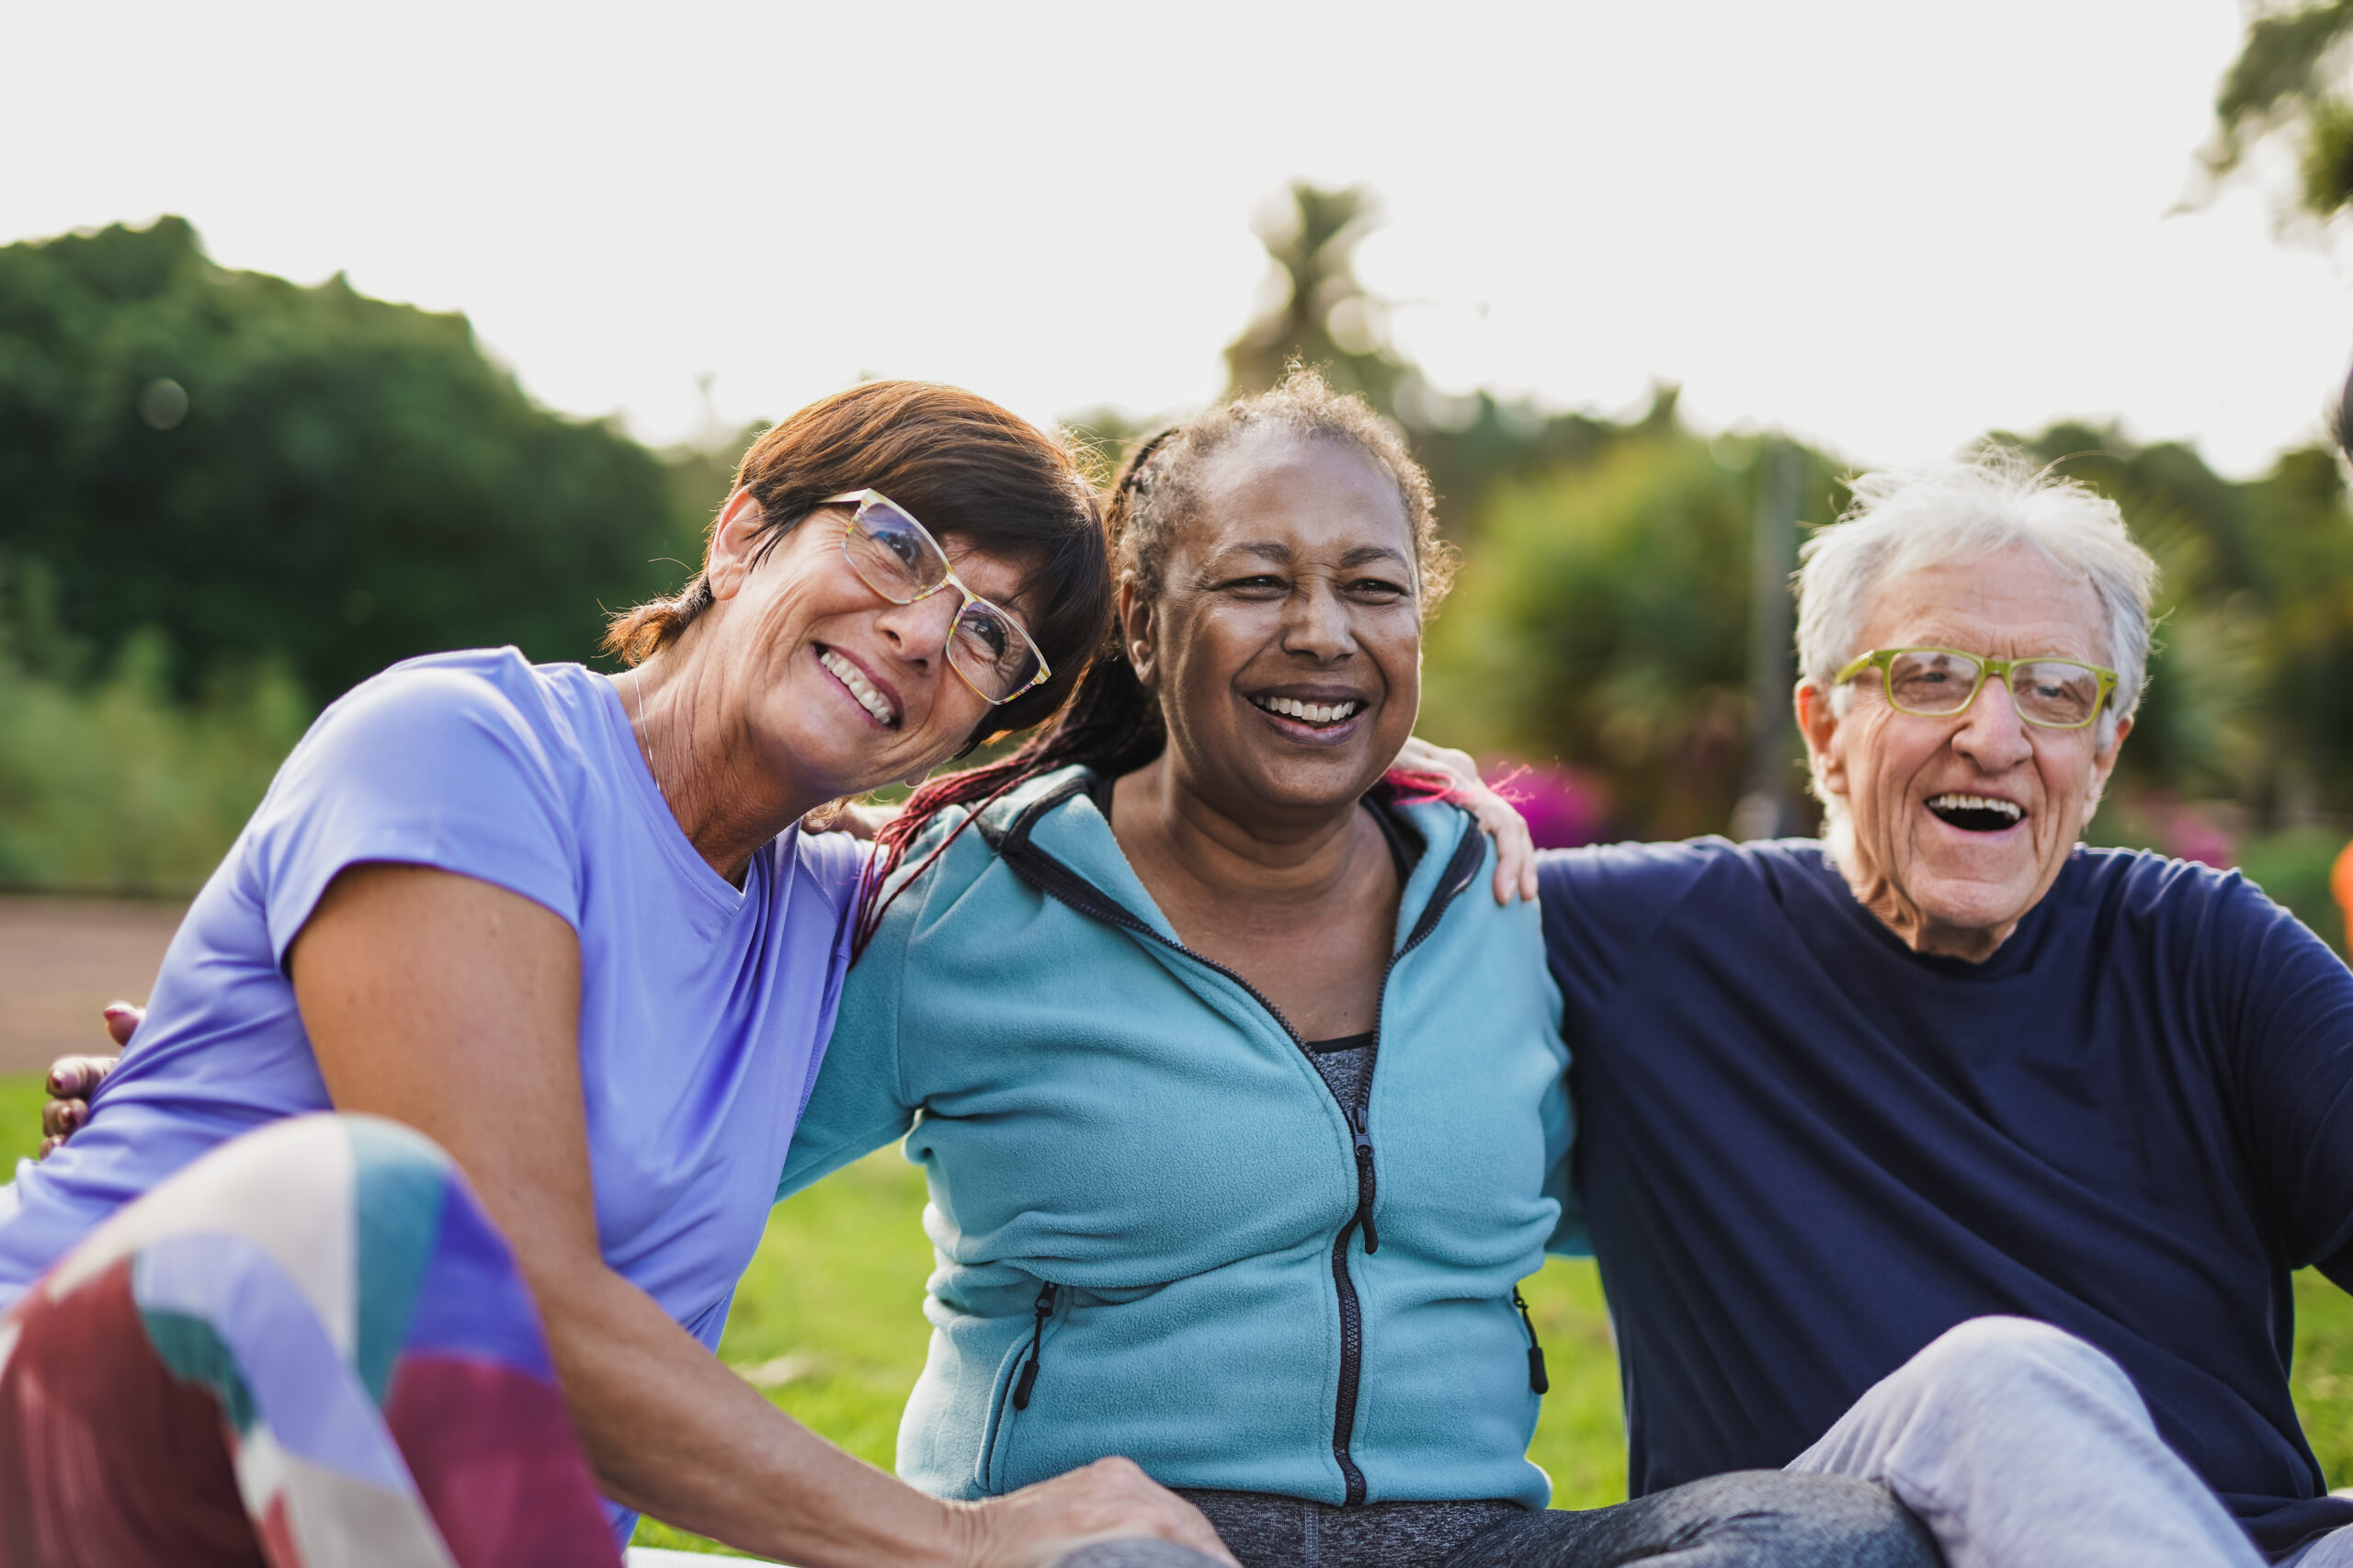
{"points": [[1241, 1104]]}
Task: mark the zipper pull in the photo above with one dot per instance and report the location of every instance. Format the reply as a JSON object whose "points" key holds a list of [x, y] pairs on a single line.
{"points": [[1365, 1178], [1537, 1382], [1043, 1310]]}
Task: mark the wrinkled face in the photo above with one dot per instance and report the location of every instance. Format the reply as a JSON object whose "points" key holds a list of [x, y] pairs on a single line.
{"points": [[1962, 823], [829, 681], [1286, 644]]}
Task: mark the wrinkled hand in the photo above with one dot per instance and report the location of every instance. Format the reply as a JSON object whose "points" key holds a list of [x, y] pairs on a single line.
{"points": [[1498, 818], [74, 1079], [1109, 1500]]}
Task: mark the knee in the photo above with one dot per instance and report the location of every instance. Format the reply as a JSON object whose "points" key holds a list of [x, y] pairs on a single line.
{"points": [[1789, 1516], [400, 1179], [2001, 1356], [388, 1178]]}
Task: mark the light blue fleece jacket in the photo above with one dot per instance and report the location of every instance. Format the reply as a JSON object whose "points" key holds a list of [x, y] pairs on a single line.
{"points": [[1145, 1199]]}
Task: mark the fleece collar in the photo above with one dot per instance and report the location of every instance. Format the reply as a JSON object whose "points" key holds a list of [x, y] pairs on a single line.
{"points": [[1056, 813]]}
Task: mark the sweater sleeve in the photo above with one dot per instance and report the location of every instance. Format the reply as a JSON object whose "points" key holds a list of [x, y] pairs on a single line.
{"points": [[1601, 904], [2285, 1002]]}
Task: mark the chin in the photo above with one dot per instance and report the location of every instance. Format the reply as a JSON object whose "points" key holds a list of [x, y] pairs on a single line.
{"points": [[1324, 782]]}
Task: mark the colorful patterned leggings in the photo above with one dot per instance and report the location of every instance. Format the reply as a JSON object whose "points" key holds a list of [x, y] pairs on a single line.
{"points": [[310, 1350]]}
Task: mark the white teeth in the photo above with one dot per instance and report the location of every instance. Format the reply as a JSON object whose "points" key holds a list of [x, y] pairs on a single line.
{"points": [[1312, 712], [851, 677], [1976, 804]]}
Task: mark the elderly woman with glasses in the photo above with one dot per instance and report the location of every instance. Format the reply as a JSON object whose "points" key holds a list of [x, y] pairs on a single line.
{"points": [[553, 947]]}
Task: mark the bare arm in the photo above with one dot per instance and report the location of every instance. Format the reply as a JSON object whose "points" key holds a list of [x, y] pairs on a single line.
{"points": [[453, 1005]]}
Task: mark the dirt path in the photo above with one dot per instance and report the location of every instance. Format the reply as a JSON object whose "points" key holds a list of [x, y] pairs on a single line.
{"points": [[63, 959]]}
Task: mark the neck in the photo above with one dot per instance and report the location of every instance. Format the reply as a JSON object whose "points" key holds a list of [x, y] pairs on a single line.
{"points": [[727, 799], [1164, 820], [1878, 893]]}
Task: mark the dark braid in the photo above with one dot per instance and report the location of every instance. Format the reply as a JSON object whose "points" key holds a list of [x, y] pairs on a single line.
{"points": [[1113, 724]]}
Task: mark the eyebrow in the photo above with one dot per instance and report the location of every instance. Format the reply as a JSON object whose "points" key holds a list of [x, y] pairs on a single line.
{"points": [[1361, 556]]}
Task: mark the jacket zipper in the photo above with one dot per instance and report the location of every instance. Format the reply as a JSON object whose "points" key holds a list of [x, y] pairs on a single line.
{"points": [[1344, 1409], [1042, 871], [1042, 1309], [1537, 1382]]}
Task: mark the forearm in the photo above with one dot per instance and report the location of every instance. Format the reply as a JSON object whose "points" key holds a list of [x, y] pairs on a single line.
{"points": [[672, 1431]]}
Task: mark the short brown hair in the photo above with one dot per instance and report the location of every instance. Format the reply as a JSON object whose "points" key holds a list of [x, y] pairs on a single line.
{"points": [[970, 470]]}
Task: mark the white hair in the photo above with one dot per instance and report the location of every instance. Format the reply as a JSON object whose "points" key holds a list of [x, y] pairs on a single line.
{"points": [[1904, 520]]}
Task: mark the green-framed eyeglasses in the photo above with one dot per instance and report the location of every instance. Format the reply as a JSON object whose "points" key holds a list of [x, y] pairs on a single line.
{"points": [[896, 556], [2051, 693]]}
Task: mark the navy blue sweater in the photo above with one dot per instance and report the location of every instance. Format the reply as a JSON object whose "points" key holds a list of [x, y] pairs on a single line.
{"points": [[1805, 1151]]}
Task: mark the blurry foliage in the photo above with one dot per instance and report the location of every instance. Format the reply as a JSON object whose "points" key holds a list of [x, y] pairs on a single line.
{"points": [[111, 785], [1323, 316], [1600, 619], [225, 497], [2251, 693], [255, 469], [2289, 82]]}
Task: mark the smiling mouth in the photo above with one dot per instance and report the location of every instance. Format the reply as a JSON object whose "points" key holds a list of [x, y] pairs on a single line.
{"points": [[854, 678], [1976, 813], [1317, 715]]}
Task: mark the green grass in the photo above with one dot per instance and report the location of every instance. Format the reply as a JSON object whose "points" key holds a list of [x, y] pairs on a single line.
{"points": [[837, 1287]]}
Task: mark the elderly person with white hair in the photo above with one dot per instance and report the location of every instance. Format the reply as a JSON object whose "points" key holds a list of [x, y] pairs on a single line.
{"points": [[1947, 1152]]}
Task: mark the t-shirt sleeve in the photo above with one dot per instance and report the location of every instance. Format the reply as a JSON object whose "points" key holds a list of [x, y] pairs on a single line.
{"points": [[426, 767], [1602, 903], [2285, 1003]]}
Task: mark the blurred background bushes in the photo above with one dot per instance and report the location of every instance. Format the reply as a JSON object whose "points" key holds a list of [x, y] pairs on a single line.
{"points": [[116, 785], [246, 468], [224, 498]]}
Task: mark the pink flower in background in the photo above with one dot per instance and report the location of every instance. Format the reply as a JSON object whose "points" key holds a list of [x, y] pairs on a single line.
{"points": [[2193, 830], [1564, 806]]}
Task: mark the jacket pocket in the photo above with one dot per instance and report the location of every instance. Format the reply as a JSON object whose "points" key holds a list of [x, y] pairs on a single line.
{"points": [[1016, 1384]]}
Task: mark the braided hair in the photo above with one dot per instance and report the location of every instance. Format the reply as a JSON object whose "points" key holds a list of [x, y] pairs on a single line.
{"points": [[1113, 724]]}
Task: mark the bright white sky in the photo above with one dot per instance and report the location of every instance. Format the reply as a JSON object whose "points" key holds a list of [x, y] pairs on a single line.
{"points": [[1883, 226]]}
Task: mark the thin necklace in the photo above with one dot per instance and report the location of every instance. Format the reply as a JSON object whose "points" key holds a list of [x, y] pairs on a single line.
{"points": [[644, 734]]}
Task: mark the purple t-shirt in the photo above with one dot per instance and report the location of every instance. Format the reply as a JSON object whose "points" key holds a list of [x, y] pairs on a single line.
{"points": [[704, 1011]]}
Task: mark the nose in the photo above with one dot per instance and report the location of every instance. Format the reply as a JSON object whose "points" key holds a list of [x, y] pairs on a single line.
{"points": [[918, 633], [1315, 623], [1992, 734]]}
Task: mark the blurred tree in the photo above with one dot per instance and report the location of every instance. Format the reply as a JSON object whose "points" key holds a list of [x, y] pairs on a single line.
{"points": [[1323, 316], [1601, 619], [2251, 696], [2289, 82], [255, 469]]}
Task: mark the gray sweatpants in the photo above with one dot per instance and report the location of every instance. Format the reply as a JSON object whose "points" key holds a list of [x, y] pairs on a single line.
{"points": [[2020, 1445]]}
